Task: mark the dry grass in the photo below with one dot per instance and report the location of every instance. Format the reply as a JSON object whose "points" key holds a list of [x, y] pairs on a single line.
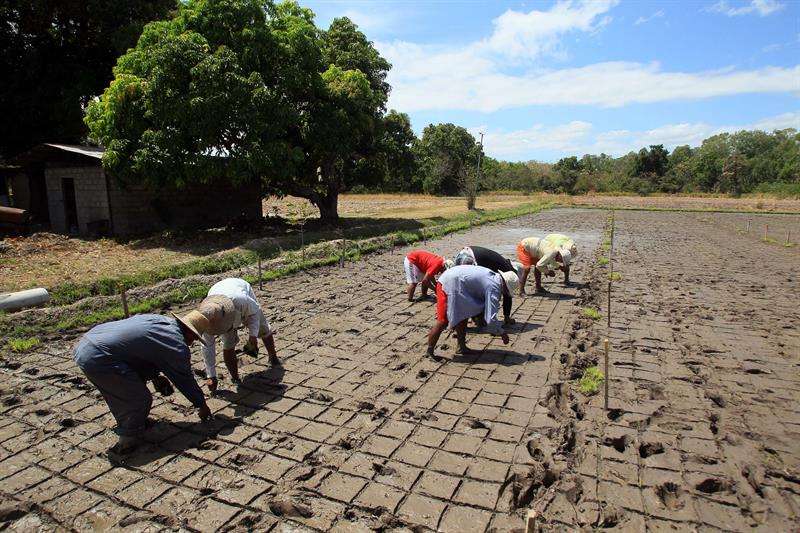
{"points": [[408, 206], [700, 202]]}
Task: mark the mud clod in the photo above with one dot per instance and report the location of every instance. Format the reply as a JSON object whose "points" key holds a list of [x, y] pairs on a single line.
{"points": [[615, 414], [290, 508], [320, 397], [383, 470], [478, 424], [618, 443]]}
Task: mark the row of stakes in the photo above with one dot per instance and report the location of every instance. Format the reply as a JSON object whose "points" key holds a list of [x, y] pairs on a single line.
{"points": [[766, 232]]}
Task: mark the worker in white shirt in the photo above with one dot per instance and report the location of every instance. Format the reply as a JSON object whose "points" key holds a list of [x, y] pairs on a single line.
{"points": [[246, 311], [553, 252]]}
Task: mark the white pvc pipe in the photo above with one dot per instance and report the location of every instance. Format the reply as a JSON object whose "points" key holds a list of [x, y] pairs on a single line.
{"points": [[12, 301]]}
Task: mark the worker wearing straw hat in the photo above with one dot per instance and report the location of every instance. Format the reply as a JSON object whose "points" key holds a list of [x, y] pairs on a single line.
{"points": [[464, 292], [120, 357], [422, 267], [232, 303], [478, 255], [553, 252]]}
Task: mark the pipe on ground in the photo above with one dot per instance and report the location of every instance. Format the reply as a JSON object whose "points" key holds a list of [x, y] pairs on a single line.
{"points": [[13, 301]]}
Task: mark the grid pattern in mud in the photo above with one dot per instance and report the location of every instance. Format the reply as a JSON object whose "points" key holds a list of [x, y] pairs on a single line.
{"points": [[356, 431]]}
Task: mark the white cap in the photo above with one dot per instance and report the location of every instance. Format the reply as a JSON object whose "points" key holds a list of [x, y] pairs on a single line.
{"points": [[448, 263], [566, 256], [512, 281]]}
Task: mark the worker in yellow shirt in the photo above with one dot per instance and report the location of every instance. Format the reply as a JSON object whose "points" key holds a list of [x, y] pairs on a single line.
{"points": [[553, 252]]}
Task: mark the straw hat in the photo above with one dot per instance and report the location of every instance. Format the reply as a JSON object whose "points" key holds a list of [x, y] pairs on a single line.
{"points": [[194, 322], [220, 313], [512, 281]]}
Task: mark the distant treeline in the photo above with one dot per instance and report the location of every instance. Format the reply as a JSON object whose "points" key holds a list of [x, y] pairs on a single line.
{"points": [[728, 163]]}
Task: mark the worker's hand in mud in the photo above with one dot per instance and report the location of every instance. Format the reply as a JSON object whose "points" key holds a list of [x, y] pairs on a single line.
{"points": [[204, 413], [504, 336], [211, 383]]}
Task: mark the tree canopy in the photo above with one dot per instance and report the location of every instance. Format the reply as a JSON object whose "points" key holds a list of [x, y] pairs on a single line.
{"points": [[247, 90], [56, 56]]}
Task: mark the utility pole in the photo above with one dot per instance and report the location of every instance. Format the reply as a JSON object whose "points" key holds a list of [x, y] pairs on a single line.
{"points": [[480, 154]]}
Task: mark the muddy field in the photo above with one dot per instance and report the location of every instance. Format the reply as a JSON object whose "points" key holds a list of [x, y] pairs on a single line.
{"points": [[360, 431]]}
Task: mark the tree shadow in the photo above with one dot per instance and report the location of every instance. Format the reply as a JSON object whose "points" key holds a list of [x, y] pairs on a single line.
{"points": [[256, 391]]}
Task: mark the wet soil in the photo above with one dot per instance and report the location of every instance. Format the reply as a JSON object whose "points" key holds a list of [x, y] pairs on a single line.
{"points": [[360, 431]]}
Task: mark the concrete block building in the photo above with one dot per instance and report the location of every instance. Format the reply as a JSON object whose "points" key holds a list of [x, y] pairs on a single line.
{"points": [[66, 186]]}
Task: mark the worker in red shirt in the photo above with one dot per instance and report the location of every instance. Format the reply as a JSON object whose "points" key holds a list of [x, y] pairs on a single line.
{"points": [[423, 267]]}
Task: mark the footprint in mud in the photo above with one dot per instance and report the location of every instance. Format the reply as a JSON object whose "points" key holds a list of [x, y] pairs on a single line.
{"points": [[422, 374], [713, 423], [647, 449], [11, 401], [67, 423], [713, 485], [611, 517], [365, 406], [42, 412], [618, 443], [383, 470], [615, 414], [290, 508], [670, 495], [381, 412], [400, 389], [320, 397], [401, 366], [478, 424], [717, 398]]}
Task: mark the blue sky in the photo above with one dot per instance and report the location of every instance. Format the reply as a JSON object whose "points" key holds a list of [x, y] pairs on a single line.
{"points": [[548, 79]]}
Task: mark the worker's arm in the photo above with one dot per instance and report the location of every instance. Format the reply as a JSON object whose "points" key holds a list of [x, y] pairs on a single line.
{"points": [[210, 355], [251, 315], [429, 281], [507, 303], [176, 366]]}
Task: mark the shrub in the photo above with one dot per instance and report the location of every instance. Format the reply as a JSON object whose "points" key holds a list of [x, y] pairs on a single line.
{"points": [[21, 345], [589, 384], [589, 312]]}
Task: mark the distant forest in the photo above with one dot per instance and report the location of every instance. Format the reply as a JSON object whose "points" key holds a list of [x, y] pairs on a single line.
{"points": [[727, 163]]}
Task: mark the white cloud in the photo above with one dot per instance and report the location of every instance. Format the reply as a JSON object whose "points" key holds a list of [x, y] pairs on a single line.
{"points": [[501, 71], [656, 15], [427, 79], [372, 21], [529, 35], [579, 137], [760, 7]]}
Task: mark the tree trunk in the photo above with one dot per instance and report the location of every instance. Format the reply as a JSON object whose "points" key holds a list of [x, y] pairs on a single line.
{"points": [[329, 207]]}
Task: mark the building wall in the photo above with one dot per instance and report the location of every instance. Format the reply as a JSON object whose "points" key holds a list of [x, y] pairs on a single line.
{"points": [[139, 210], [91, 196]]}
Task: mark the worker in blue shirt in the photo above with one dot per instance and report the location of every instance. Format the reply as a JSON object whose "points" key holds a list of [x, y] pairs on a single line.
{"points": [[120, 357]]}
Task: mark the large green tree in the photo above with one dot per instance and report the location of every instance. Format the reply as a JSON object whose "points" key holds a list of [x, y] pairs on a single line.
{"points": [[446, 154], [247, 90], [397, 145], [55, 56]]}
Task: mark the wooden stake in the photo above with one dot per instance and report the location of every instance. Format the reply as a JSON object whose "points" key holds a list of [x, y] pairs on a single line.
{"points": [[609, 304], [260, 280], [607, 377], [766, 230], [344, 249], [748, 225], [124, 296], [530, 523], [787, 236]]}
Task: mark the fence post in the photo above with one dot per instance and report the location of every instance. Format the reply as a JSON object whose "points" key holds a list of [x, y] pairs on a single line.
{"points": [[260, 279], [607, 377], [748, 225], [787, 236], [766, 231], [124, 296], [609, 304]]}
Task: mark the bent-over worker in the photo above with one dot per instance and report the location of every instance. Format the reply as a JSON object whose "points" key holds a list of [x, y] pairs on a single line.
{"points": [[478, 255], [553, 252], [422, 267], [120, 357], [232, 303], [464, 292]]}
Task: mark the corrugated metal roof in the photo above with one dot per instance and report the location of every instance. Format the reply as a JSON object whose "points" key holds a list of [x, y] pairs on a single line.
{"points": [[89, 151]]}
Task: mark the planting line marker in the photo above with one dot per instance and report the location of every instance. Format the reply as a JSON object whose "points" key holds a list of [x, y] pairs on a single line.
{"points": [[605, 381], [787, 236], [124, 296], [344, 251], [748, 225], [260, 280], [530, 525], [609, 304], [766, 229]]}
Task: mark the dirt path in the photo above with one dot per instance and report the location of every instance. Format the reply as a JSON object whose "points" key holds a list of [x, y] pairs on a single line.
{"points": [[359, 431]]}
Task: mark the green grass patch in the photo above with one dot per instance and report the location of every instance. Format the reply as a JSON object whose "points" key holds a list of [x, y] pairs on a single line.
{"points": [[590, 383], [615, 276], [24, 344], [603, 261], [592, 313], [788, 244]]}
